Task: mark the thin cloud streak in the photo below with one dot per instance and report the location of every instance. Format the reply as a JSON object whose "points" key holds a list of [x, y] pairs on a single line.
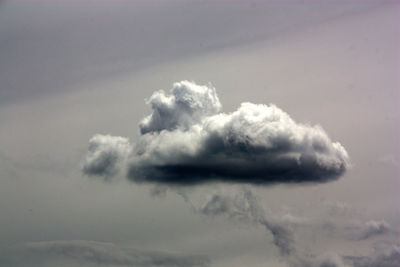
{"points": [[92, 253]]}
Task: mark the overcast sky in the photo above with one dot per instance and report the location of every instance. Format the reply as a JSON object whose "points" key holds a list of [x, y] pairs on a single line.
{"points": [[98, 167]]}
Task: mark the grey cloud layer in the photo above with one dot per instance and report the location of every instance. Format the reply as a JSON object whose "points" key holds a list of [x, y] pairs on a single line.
{"points": [[91, 253], [186, 141], [387, 258], [325, 260], [390, 257]]}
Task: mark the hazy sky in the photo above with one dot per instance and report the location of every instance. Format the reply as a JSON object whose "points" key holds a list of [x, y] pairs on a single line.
{"points": [[91, 175]]}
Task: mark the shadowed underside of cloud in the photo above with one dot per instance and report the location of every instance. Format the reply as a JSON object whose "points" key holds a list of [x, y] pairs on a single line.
{"points": [[90, 253], [185, 140]]}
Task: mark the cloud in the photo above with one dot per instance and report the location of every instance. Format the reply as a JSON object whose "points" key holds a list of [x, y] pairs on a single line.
{"points": [[324, 260], [295, 220], [186, 141], [244, 206], [331, 260], [187, 104], [90, 253], [240, 205], [387, 258], [373, 228], [106, 155]]}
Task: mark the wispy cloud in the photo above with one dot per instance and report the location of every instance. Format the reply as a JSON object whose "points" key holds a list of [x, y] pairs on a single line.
{"points": [[373, 228], [243, 205]]}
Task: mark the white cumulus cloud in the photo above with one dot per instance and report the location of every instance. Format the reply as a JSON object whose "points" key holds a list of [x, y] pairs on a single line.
{"points": [[187, 140]]}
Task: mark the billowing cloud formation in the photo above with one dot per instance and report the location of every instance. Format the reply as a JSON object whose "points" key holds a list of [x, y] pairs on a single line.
{"points": [[91, 253], [187, 104], [106, 155], [186, 141]]}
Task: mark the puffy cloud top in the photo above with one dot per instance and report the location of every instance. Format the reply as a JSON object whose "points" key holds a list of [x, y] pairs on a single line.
{"points": [[188, 103], [186, 141]]}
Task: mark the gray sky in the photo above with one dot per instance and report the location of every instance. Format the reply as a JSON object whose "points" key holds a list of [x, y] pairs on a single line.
{"points": [[70, 71]]}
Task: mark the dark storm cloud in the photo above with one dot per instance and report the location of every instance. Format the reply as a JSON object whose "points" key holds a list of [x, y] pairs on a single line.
{"points": [[186, 141], [90, 253], [244, 206]]}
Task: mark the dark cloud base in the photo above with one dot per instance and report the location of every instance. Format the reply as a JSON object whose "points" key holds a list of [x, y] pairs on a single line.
{"points": [[190, 174]]}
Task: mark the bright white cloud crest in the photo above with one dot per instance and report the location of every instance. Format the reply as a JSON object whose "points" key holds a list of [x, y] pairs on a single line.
{"points": [[187, 104]]}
